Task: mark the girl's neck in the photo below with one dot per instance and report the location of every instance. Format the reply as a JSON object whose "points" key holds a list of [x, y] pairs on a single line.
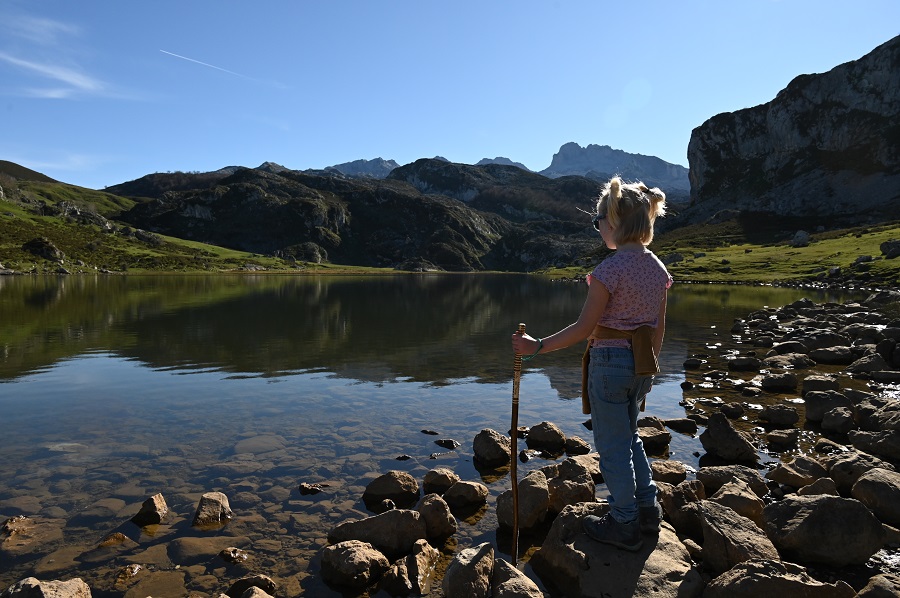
{"points": [[633, 247]]}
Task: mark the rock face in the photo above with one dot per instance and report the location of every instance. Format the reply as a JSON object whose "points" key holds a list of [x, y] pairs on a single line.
{"points": [[602, 161], [819, 148], [578, 566]]}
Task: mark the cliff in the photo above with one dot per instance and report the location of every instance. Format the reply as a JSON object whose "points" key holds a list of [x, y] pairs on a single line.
{"points": [[826, 148]]}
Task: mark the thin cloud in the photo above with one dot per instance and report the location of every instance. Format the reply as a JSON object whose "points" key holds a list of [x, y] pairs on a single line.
{"points": [[74, 79], [212, 66], [37, 30]]}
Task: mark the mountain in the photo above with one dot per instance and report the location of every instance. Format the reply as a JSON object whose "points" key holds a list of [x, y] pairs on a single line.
{"points": [[826, 148], [501, 160], [376, 169], [21, 173], [600, 162]]}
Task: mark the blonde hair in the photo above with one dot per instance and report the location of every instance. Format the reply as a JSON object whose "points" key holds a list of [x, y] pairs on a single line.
{"points": [[631, 209]]}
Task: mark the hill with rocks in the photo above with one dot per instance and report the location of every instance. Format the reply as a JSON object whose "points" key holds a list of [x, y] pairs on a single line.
{"points": [[826, 148]]}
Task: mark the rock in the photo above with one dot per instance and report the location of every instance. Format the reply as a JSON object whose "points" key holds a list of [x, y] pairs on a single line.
{"points": [[577, 446], [491, 448], [572, 484], [671, 472], [732, 410], [546, 436], [677, 502], [413, 575], [818, 382], [43, 248], [469, 573], [877, 414], [783, 439], [783, 382], [397, 486], [715, 477], [782, 416], [820, 486], [799, 472], [31, 587], [191, 551], [509, 582], [213, 510], [656, 441], [439, 480], [463, 494], [823, 529], [21, 535], [879, 490], [787, 381], [788, 347], [255, 592], [838, 420], [729, 538], [883, 444], [306, 488], [534, 502], [233, 555], [574, 565], [867, 364], [846, 468], [439, 521], [353, 563], [756, 578], [682, 425], [743, 363], [721, 439], [740, 498], [263, 582], [393, 533], [885, 585], [818, 403], [152, 512], [833, 355]]}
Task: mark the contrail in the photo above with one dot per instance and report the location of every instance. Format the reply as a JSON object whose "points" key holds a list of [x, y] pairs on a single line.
{"points": [[212, 66]]}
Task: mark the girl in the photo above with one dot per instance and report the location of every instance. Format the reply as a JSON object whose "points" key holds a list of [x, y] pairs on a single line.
{"points": [[624, 320]]}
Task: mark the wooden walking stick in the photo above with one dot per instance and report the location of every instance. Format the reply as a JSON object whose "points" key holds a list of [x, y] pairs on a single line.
{"points": [[513, 450]]}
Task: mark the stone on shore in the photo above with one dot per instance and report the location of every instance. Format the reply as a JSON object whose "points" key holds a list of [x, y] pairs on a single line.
{"points": [[534, 502], [571, 562], [353, 563], [818, 382], [508, 582], [414, 574], [884, 444], [721, 439], [152, 511], [716, 476], [729, 538], [439, 480], [757, 578], [213, 510], [886, 585], [677, 502], [800, 471], [823, 529], [738, 496], [263, 582], [879, 490], [847, 467], [781, 416], [393, 533], [465, 494], [839, 420], [397, 486], [32, 587], [491, 448], [469, 573], [548, 437], [671, 472], [439, 521], [820, 402], [820, 486]]}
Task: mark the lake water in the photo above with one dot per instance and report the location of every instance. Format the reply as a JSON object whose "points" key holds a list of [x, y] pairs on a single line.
{"points": [[115, 388]]}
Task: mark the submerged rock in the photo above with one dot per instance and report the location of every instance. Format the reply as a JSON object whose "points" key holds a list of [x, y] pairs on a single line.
{"points": [[152, 512], [213, 510], [353, 563]]}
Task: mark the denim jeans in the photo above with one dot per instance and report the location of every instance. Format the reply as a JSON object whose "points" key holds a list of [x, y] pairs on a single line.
{"points": [[615, 394]]}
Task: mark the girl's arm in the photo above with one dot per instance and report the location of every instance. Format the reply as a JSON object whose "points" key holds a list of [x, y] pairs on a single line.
{"points": [[593, 308], [660, 331]]}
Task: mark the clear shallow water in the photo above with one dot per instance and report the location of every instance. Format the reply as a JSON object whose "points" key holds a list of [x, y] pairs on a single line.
{"points": [[115, 388]]}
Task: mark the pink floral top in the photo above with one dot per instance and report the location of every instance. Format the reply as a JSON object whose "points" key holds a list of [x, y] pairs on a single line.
{"points": [[637, 282]]}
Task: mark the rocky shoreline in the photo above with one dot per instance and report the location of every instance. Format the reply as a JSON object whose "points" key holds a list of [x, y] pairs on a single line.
{"points": [[822, 390]]}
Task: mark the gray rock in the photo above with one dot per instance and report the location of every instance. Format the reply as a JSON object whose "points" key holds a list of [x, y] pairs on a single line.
{"points": [[577, 446], [397, 486], [833, 355], [884, 444], [439, 521], [534, 502], [671, 472], [677, 502], [838, 420], [353, 563], [465, 494], [743, 363], [262, 582], [820, 402], [469, 573], [846, 468], [729, 538], [152, 511], [31, 587], [682, 425], [800, 471], [491, 448], [783, 416], [868, 364], [877, 414], [570, 489], [394, 532], [414, 574], [885, 585], [757, 578], [823, 529], [788, 361], [788, 347], [213, 510], [721, 439], [509, 582], [820, 486], [740, 498], [879, 490], [715, 477], [780, 382], [573, 564], [546, 436], [818, 382], [439, 480]]}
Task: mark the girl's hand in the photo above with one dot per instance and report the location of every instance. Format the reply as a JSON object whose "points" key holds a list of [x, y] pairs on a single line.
{"points": [[523, 344]]}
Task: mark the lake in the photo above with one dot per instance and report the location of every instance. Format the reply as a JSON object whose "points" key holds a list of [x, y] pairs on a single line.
{"points": [[115, 388]]}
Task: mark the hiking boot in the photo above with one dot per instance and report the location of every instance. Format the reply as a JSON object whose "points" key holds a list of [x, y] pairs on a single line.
{"points": [[609, 531], [650, 518]]}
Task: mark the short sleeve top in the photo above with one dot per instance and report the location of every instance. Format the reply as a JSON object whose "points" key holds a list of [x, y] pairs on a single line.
{"points": [[637, 282]]}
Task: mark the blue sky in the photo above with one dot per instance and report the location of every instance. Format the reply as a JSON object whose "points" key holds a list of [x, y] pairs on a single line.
{"points": [[96, 93]]}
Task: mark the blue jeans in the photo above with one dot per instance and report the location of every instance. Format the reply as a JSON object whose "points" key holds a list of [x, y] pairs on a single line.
{"points": [[615, 394]]}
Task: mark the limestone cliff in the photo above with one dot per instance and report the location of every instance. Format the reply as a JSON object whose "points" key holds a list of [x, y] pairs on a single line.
{"points": [[599, 162], [827, 147]]}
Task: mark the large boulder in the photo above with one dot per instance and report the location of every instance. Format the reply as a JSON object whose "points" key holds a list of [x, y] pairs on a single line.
{"points": [[469, 573], [798, 472], [739, 497], [393, 532], [152, 511], [32, 587], [508, 582], [714, 477], [491, 448], [884, 444], [353, 563], [823, 529], [465, 495], [847, 467], [534, 502], [879, 490], [439, 521], [577, 566], [820, 402], [439, 480], [677, 502], [414, 574], [770, 577], [213, 510], [729, 538], [397, 486], [886, 585], [548, 437]]}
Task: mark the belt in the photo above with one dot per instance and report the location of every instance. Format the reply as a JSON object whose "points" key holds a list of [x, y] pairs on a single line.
{"points": [[645, 362]]}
